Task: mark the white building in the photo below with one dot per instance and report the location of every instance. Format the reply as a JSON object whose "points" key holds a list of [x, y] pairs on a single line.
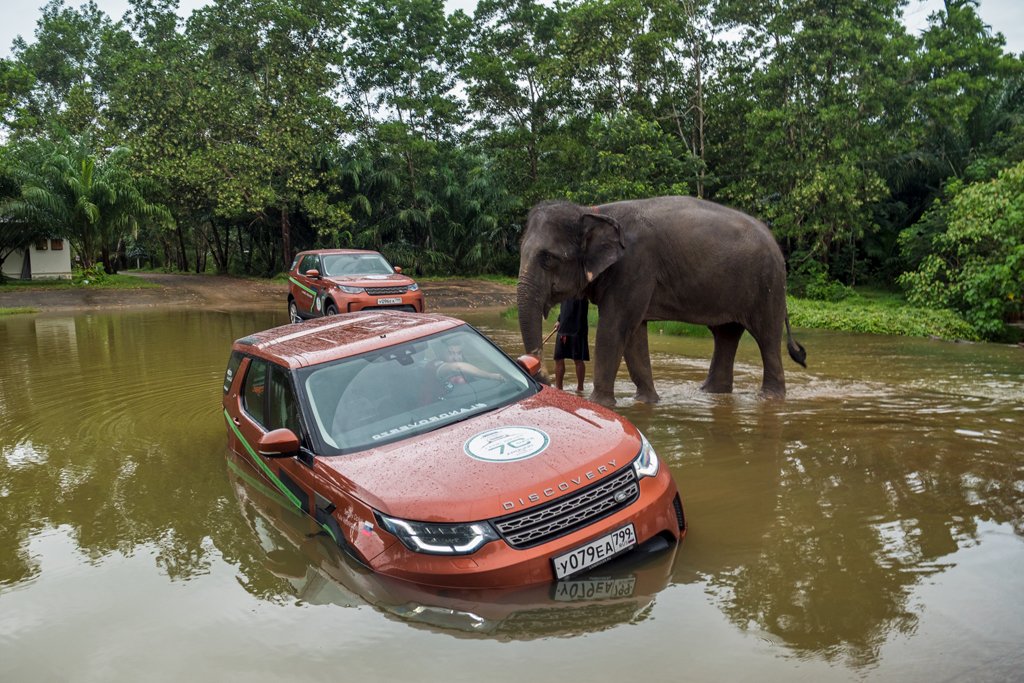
{"points": [[48, 259]]}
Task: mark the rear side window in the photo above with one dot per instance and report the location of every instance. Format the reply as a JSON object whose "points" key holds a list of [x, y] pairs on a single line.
{"points": [[229, 374]]}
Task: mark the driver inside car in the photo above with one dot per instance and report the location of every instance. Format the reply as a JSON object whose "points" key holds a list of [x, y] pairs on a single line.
{"points": [[454, 369]]}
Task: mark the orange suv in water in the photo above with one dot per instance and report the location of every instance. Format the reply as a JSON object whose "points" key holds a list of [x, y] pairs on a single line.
{"points": [[330, 281], [429, 455]]}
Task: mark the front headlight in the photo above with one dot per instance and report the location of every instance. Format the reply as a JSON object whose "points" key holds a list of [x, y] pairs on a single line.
{"points": [[440, 539], [350, 290], [646, 464], [414, 287]]}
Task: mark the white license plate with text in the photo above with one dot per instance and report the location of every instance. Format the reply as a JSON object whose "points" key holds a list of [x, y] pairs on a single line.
{"points": [[389, 300], [594, 553]]}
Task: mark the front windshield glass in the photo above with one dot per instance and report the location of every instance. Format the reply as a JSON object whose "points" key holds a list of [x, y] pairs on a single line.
{"points": [[337, 265], [408, 389]]}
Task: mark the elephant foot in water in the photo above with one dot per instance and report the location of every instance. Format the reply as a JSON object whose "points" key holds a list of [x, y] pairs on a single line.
{"points": [[773, 392], [711, 386], [603, 398], [650, 396]]}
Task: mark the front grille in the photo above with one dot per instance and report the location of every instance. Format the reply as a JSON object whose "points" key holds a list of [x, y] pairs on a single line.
{"points": [[384, 291], [559, 517]]}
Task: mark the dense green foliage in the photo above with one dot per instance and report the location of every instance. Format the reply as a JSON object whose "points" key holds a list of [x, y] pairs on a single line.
{"points": [[880, 316], [977, 264], [260, 127]]}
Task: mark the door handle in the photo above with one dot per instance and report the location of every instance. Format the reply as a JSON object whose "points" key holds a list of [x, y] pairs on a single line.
{"points": [[236, 420]]}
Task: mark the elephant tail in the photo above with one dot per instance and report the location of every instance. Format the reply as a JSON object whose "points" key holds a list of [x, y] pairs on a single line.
{"points": [[796, 350]]}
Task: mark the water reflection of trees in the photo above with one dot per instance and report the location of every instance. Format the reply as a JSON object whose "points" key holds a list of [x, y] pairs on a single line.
{"points": [[863, 508], [112, 431]]}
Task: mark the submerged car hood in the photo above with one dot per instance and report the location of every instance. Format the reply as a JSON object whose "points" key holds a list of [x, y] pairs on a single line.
{"points": [[498, 463]]}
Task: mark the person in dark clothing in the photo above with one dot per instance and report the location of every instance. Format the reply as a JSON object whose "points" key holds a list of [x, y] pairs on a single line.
{"points": [[571, 340]]}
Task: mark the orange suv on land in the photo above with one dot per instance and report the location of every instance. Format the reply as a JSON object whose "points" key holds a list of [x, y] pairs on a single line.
{"points": [[429, 455], [330, 281]]}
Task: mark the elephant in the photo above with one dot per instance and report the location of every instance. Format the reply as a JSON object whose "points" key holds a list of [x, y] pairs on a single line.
{"points": [[662, 258]]}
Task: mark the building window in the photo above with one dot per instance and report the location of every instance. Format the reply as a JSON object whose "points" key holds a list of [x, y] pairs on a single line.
{"points": [[41, 245], [56, 244]]}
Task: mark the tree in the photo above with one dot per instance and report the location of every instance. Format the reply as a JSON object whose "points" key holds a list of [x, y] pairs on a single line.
{"points": [[977, 264], [628, 157], [403, 57], [15, 234], [509, 86], [819, 88], [69, 190], [61, 61]]}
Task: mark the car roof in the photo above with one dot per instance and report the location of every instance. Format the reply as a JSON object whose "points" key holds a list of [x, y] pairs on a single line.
{"points": [[338, 251], [339, 336]]}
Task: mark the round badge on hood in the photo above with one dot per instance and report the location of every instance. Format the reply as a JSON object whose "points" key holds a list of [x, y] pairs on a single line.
{"points": [[507, 444]]}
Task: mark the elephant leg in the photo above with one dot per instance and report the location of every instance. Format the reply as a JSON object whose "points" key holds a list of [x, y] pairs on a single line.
{"points": [[608, 350], [638, 362], [727, 339], [773, 382]]}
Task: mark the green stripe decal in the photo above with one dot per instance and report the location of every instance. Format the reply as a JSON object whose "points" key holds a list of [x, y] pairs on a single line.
{"points": [[262, 465], [266, 470], [262, 487], [301, 286]]}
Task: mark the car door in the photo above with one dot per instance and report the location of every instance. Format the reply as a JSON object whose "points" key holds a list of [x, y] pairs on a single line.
{"points": [[306, 289], [268, 402]]}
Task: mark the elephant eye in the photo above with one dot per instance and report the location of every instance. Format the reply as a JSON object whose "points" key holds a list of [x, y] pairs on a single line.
{"points": [[547, 260]]}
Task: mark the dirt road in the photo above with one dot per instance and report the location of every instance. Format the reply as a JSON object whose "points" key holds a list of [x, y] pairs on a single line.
{"points": [[213, 292]]}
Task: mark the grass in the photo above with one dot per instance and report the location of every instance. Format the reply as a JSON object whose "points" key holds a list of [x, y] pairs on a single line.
{"points": [[500, 279], [868, 311], [17, 311], [118, 281], [876, 312]]}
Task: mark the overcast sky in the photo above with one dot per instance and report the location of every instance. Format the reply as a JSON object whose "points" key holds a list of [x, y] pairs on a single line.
{"points": [[1004, 16]]}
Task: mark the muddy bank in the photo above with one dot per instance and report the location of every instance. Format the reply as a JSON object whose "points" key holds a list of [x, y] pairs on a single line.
{"points": [[213, 292]]}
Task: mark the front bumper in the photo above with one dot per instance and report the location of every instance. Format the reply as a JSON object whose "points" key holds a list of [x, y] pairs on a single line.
{"points": [[412, 302], [496, 565]]}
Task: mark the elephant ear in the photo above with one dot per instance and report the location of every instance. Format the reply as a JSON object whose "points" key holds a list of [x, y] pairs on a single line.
{"points": [[602, 243]]}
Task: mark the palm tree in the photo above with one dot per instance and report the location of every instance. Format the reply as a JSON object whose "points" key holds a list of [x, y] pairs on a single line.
{"points": [[70, 190]]}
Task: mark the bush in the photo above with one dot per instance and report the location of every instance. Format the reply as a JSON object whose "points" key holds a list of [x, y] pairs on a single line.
{"points": [[94, 275], [810, 280], [879, 317], [977, 265]]}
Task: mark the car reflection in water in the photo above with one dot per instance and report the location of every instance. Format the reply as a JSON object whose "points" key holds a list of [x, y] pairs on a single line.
{"points": [[296, 550]]}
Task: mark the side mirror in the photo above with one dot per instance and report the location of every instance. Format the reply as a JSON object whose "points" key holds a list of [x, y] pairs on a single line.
{"points": [[313, 273], [280, 443], [398, 269], [529, 363]]}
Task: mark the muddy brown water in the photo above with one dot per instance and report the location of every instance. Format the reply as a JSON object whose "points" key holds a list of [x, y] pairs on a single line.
{"points": [[869, 527]]}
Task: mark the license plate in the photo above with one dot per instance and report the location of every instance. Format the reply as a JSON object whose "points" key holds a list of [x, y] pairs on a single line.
{"points": [[595, 589], [389, 300], [595, 552]]}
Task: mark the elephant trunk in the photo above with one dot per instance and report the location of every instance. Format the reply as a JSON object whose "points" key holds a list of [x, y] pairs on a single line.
{"points": [[531, 317]]}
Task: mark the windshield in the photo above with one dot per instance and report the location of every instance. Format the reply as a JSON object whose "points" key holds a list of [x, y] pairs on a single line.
{"points": [[408, 389], [356, 264]]}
